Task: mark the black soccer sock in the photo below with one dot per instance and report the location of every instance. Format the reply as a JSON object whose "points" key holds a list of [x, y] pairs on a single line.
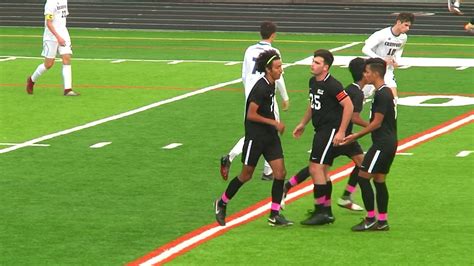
{"points": [[302, 174], [382, 197], [352, 182], [277, 195], [367, 194], [231, 190], [327, 204], [319, 192]]}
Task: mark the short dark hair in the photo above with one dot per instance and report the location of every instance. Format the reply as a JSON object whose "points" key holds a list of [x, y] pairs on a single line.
{"points": [[406, 17], [265, 60], [326, 55], [377, 65], [356, 67], [267, 28]]}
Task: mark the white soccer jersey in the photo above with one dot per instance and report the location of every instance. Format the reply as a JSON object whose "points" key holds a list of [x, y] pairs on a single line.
{"points": [[249, 73], [58, 10], [384, 43]]}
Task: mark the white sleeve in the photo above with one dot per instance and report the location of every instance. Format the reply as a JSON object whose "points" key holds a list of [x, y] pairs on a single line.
{"points": [[49, 8], [399, 52], [281, 87], [371, 43]]}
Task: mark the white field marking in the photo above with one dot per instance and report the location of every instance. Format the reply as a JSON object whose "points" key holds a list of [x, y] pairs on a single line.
{"points": [[118, 61], [172, 146], [176, 249], [135, 111], [129, 60], [404, 67], [118, 116], [410, 61], [34, 145], [232, 63], [175, 62], [404, 153], [9, 58], [462, 68], [464, 153], [100, 144]]}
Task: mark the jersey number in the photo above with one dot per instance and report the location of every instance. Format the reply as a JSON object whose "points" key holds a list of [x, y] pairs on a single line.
{"points": [[314, 101], [391, 52], [63, 14]]}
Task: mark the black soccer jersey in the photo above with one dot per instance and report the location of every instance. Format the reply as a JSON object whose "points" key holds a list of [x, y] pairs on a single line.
{"points": [[324, 98], [262, 94], [384, 103], [357, 98]]}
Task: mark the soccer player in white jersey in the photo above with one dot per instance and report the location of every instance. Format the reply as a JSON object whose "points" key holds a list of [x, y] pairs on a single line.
{"points": [[388, 44], [249, 77], [55, 39], [454, 7]]}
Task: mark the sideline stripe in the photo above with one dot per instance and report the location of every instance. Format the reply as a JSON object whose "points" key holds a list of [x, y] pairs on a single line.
{"points": [[205, 233], [141, 109]]}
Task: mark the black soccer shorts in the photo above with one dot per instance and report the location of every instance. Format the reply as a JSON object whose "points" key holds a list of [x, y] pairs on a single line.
{"points": [[269, 147], [323, 150], [378, 159]]}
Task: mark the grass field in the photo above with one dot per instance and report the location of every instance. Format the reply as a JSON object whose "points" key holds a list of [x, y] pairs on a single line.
{"points": [[69, 204]]}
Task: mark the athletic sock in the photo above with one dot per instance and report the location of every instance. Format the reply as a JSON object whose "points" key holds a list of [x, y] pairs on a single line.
{"points": [[38, 72], [352, 182], [367, 194], [298, 178], [67, 77], [327, 203], [382, 199], [237, 149], [230, 192], [319, 192], [277, 195]]}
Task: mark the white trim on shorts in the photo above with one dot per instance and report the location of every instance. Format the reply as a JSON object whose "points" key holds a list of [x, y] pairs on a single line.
{"points": [[249, 147], [374, 160], [327, 146]]}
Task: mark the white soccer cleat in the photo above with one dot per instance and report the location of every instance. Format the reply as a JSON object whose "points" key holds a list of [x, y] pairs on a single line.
{"points": [[349, 204]]}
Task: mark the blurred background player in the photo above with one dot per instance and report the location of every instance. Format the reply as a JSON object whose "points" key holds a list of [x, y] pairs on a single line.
{"points": [[261, 138], [379, 157], [353, 150], [330, 110], [455, 7], [469, 27], [55, 39], [388, 44], [250, 75]]}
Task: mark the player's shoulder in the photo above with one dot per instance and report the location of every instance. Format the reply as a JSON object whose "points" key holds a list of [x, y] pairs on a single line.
{"points": [[333, 82]]}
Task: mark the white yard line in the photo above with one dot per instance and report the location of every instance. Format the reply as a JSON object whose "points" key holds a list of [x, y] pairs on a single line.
{"points": [[138, 110]]}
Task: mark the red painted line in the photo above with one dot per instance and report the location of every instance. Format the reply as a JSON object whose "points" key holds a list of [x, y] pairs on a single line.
{"points": [[159, 255]]}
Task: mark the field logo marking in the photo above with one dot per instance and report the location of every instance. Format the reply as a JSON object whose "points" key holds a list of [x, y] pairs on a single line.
{"points": [[203, 234], [138, 110]]}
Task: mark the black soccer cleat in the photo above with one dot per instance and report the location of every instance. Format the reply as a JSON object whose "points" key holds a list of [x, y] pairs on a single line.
{"points": [[279, 220], [365, 225], [267, 177], [220, 213], [318, 218], [225, 166], [381, 226]]}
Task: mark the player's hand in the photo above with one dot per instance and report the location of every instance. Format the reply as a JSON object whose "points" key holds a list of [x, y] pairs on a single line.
{"points": [[298, 131], [285, 105], [348, 139], [338, 138], [61, 41], [280, 127]]}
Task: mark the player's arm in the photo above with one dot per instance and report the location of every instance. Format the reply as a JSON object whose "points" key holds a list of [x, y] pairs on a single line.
{"points": [[252, 115], [357, 119], [348, 108], [281, 87], [370, 44], [49, 23], [299, 129], [358, 102], [373, 125]]}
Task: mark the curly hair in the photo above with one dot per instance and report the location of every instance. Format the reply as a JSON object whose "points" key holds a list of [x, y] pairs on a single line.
{"points": [[265, 60]]}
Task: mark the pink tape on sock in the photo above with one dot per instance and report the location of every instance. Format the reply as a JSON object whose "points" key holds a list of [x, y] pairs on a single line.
{"points": [[350, 188], [224, 198], [371, 214], [275, 206], [293, 181], [383, 216]]}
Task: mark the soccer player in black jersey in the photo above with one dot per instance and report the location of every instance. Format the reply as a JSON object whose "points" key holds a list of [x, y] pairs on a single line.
{"points": [[261, 138], [379, 158], [353, 151], [330, 110]]}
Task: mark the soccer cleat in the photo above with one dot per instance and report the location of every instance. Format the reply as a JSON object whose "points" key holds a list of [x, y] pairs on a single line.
{"points": [[349, 204], [70, 92], [29, 85], [279, 220], [364, 225], [220, 213], [381, 226], [318, 219], [267, 177], [225, 166]]}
